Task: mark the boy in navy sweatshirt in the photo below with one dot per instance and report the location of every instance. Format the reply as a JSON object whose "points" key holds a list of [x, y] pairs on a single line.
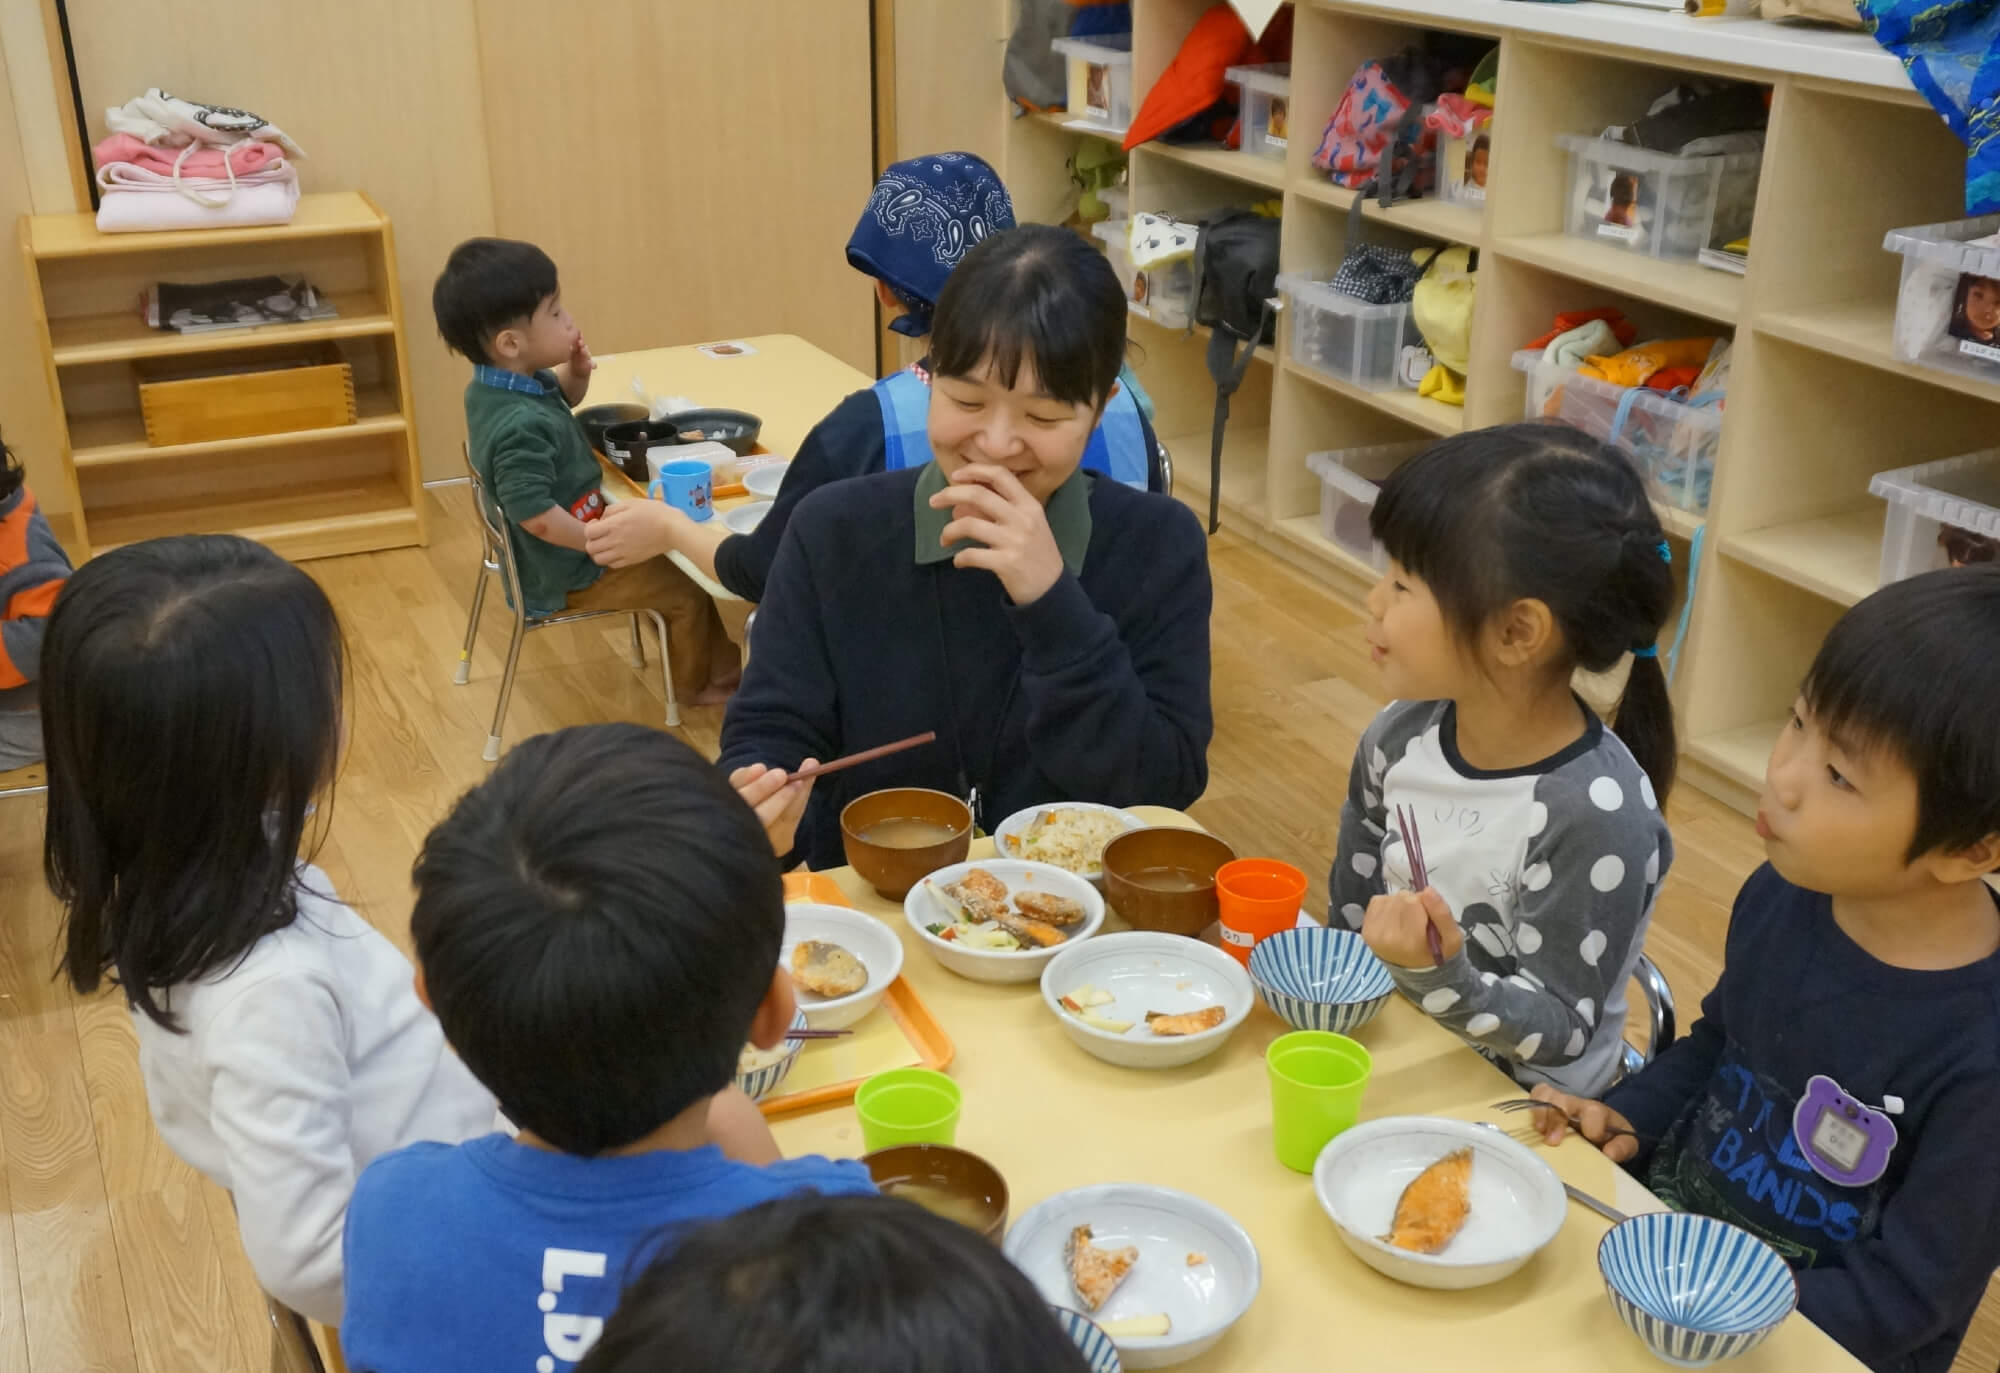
{"points": [[1840, 1095]]}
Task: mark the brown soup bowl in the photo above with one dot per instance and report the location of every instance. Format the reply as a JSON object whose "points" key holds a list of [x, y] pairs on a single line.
{"points": [[945, 1181], [1134, 864], [893, 868]]}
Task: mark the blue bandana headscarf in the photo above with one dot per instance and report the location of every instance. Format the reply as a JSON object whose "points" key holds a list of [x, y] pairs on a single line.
{"points": [[923, 216]]}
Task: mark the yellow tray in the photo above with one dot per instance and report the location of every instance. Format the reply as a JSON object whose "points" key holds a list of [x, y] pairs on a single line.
{"points": [[901, 1034]]}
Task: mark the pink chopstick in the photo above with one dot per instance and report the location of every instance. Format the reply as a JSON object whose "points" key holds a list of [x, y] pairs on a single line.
{"points": [[1419, 877], [865, 756]]}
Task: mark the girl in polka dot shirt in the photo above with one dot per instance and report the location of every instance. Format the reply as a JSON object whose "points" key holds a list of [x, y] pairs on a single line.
{"points": [[1517, 555]]}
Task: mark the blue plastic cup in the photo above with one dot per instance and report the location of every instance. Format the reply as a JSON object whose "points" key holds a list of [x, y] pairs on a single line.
{"points": [[687, 486]]}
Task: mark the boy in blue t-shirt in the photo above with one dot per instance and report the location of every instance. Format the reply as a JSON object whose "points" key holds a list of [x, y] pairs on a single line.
{"points": [[597, 927], [1840, 1096]]}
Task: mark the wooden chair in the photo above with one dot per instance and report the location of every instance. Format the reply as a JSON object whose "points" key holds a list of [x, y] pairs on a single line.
{"points": [[497, 556], [31, 780], [1660, 1026]]}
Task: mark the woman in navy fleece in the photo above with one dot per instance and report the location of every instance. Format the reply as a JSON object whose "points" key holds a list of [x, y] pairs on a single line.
{"points": [[1050, 625]]}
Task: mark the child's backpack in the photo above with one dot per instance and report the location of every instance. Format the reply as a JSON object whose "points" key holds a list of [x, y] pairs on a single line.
{"points": [[1368, 127], [1235, 276]]}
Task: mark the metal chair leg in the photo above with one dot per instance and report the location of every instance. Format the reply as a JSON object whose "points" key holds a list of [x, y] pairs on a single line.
{"points": [[292, 1346], [492, 750], [666, 665], [464, 673], [637, 657]]}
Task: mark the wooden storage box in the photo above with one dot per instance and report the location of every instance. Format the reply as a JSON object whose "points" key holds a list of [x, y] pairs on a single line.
{"points": [[313, 389]]}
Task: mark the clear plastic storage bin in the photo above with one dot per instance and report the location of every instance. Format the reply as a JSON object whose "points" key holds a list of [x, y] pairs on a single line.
{"points": [[1948, 311], [1673, 442], [1100, 79], [1265, 107], [1349, 481], [1648, 202], [1163, 294], [1940, 514], [1347, 339]]}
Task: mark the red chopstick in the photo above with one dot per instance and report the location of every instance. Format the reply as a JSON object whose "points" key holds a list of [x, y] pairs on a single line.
{"points": [[865, 756], [1413, 847]]}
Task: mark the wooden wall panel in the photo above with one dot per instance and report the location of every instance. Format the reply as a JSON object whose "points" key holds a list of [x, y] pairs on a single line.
{"points": [[27, 411], [694, 169], [383, 95]]}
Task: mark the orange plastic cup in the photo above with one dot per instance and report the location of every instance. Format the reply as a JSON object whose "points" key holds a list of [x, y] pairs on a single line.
{"points": [[1257, 898]]}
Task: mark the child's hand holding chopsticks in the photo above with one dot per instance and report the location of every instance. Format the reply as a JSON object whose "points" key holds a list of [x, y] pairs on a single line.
{"points": [[1399, 927]]}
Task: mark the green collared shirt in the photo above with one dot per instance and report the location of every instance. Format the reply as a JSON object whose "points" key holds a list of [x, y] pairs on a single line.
{"points": [[1068, 514]]}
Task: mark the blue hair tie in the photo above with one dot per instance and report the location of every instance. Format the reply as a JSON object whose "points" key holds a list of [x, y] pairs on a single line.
{"points": [[1666, 551], [1646, 651]]}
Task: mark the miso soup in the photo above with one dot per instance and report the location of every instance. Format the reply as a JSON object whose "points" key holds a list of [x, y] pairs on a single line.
{"points": [[1169, 879], [906, 833], [971, 1212]]}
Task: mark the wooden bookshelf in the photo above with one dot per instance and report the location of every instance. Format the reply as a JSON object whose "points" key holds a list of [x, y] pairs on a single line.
{"points": [[306, 493], [1817, 402]]}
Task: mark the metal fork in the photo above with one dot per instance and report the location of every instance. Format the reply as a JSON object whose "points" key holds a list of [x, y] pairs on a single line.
{"points": [[1576, 1194], [1530, 1104]]}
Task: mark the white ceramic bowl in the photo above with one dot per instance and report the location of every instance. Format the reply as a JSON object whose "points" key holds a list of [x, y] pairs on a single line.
{"points": [[1015, 828], [1202, 1300], [764, 479], [867, 938], [1146, 971], [1518, 1203], [745, 518], [923, 908], [758, 1083]]}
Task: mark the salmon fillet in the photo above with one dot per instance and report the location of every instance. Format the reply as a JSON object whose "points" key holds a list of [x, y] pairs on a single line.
{"points": [[1187, 1022], [1027, 929], [1095, 1273], [1434, 1206]]}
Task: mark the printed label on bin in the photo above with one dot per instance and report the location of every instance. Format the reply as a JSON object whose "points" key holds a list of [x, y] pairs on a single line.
{"points": [[1624, 233], [1979, 350]]}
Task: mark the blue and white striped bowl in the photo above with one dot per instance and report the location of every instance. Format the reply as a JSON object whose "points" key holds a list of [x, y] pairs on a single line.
{"points": [[1697, 1290], [1320, 979], [1096, 1346], [759, 1084]]}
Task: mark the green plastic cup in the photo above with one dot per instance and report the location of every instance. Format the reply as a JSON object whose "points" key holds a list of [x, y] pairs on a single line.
{"points": [[907, 1106], [1317, 1079]]}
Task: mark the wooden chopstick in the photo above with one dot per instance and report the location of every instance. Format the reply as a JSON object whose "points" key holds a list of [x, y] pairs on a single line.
{"points": [[865, 756], [1420, 878]]}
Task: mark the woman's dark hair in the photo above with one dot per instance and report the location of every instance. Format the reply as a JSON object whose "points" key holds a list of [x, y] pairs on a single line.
{"points": [[597, 923], [1034, 295], [1909, 671], [487, 285], [12, 474], [1542, 511], [849, 1284], [191, 710]]}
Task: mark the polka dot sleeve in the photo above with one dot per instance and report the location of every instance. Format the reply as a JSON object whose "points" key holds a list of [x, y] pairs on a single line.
{"points": [[1358, 875]]}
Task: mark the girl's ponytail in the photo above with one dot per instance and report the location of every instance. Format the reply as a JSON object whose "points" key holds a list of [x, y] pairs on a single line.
{"points": [[1645, 722]]}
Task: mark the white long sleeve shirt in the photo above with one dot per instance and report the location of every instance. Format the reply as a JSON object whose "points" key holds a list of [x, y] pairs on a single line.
{"points": [[299, 1067]]}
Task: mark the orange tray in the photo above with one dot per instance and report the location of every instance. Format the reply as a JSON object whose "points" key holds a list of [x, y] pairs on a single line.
{"points": [[911, 1036]]}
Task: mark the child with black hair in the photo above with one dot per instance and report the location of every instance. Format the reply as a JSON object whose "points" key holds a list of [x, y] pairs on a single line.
{"points": [[33, 567], [1517, 555], [1840, 1095], [192, 707], [602, 981], [834, 1285], [499, 305], [1048, 622]]}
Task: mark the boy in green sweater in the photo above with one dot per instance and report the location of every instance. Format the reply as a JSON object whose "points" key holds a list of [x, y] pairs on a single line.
{"points": [[499, 305]]}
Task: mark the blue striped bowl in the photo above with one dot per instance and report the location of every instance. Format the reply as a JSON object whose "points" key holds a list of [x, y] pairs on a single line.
{"points": [[1096, 1346], [758, 1084], [1320, 979], [1697, 1290]]}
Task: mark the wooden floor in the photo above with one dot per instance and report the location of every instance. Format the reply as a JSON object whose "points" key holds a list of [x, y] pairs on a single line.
{"points": [[114, 1256]]}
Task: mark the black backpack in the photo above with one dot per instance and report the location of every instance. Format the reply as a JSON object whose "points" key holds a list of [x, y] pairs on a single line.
{"points": [[1235, 275]]}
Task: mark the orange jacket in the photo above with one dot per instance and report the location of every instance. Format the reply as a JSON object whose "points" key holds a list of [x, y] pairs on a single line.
{"points": [[33, 568]]}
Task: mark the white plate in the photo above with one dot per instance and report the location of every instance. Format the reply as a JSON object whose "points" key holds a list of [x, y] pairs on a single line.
{"points": [[745, 518], [764, 479], [1146, 971], [1017, 825], [1202, 1300], [1518, 1204], [867, 938], [922, 907]]}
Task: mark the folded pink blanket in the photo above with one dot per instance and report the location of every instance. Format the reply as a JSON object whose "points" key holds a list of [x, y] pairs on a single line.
{"points": [[129, 176], [127, 211], [245, 158]]}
